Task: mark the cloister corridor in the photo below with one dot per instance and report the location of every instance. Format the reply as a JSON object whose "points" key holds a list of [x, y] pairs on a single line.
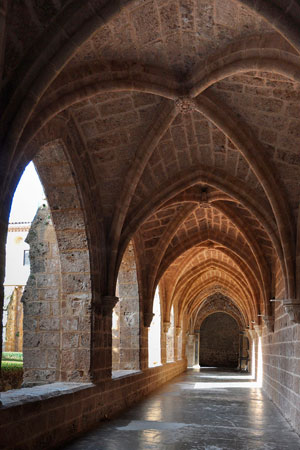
{"points": [[165, 135], [207, 409]]}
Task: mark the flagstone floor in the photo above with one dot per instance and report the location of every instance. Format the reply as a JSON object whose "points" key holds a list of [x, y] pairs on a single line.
{"points": [[207, 409]]}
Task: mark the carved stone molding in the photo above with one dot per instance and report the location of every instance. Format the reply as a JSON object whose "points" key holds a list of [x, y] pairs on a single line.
{"points": [[219, 303], [148, 316], [178, 331], [269, 322], [204, 199], [166, 326], [108, 302], [191, 337], [184, 105], [251, 333], [293, 310], [257, 329]]}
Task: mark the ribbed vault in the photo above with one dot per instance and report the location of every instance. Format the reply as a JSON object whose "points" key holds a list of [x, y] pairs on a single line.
{"points": [[185, 120]]}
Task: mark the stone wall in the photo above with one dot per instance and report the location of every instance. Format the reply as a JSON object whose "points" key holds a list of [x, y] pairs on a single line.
{"points": [[42, 304], [281, 360], [219, 341], [56, 313], [126, 323]]}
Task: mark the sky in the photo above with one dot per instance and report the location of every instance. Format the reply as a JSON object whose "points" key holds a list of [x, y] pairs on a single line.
{"points": [[28, 196]]}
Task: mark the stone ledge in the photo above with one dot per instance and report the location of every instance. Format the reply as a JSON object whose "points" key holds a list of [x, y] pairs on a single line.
{"points": [[123, 373], [16, 397]]}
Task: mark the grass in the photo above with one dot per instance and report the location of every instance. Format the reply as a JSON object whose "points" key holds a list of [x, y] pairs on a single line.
{"points": [[11, 365], [12, 356]]}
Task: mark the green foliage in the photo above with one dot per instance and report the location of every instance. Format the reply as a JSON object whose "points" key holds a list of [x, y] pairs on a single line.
{"points": [[12, 356], [11, 365]]}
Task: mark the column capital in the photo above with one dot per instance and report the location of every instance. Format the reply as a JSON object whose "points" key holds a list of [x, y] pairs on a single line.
{"points": [[251, 333], [269, 322], [178, 331], [148, 316], [108, 302], [166, 326], [257, 329]]}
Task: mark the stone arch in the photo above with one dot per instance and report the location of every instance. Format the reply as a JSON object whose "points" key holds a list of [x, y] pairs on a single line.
{"points": [[198, 296], [216, 178], [187, 282], [248, 279], [232, 252], [219, 303]]}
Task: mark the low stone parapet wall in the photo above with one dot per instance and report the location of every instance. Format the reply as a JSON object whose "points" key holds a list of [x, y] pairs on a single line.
{"points": [[53, 416]]}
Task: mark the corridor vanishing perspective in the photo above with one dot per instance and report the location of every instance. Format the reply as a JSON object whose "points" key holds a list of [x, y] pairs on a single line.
{"points": [[165, 135], [207, 410]]}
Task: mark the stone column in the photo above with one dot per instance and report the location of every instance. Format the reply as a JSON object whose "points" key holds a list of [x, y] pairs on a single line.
{"points": [[252, 339], [178, 343], [102, 338], [145, 325], [165, 329], [190, 350]]}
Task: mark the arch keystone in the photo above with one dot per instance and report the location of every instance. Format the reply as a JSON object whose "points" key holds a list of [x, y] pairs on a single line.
{"points": [[185, 104]]}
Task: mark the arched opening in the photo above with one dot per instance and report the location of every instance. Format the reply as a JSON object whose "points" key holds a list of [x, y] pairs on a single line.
{"points": [[28, 196], [57, 295], [126, 317], [219, 341], [154, 334]]}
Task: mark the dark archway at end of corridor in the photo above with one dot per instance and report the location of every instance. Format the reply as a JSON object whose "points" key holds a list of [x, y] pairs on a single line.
{"points": [[219, 341]]}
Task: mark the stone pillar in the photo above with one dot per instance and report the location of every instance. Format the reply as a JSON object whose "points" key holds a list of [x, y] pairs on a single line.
{"points": [[244, 356], [257, 336], [144, 344], [144, 330], [165, 329], [170, 342], [252, 340], [178, 343], [190, 350], [102, 338]]}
